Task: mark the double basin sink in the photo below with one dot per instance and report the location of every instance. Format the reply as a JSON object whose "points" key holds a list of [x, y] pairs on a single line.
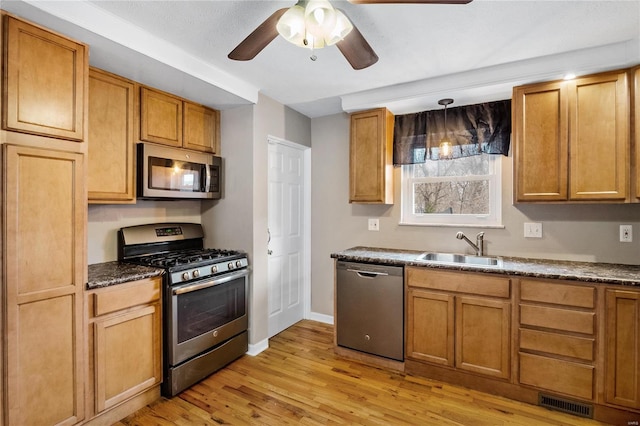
{"points": [[461, 259]]}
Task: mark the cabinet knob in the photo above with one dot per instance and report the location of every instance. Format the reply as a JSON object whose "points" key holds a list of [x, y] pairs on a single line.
{"points": [[367, 337]]}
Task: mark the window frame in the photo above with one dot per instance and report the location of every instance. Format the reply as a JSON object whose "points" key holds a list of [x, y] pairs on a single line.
{"points": [[491, 220]]}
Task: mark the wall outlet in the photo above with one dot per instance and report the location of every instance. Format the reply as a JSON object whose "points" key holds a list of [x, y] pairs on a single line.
{"points": [[374, 224], [626, 233], [532, 230]]}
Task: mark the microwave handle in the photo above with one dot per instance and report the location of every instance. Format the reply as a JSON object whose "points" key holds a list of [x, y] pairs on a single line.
{"points": [[207, 178]]}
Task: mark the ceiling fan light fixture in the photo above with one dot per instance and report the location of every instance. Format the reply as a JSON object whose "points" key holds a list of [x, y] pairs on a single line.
{"points": [[319, 18], [342, 28], [291, 25]]}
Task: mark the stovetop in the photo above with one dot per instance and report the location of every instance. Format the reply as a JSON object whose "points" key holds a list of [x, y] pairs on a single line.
{"points": [[188, 258]]}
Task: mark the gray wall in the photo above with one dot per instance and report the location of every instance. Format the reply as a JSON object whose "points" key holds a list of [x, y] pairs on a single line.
{"points": [[571, 232]]}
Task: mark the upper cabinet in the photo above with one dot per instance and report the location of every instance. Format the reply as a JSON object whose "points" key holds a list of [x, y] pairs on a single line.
{"points": [[173, 121], [111, 142], [47, 103], [635, 133], [371, 157], [571, 140]]}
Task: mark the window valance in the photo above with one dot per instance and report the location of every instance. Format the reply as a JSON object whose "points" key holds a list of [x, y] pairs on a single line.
{"points": [[473, 129]]}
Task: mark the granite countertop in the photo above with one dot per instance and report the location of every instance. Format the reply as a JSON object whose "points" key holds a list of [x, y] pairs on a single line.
{"points": [[110, 273], [605, 273]]}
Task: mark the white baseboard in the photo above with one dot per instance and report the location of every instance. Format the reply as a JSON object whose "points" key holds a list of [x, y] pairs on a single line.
{"points": [[314, 316], [258, 347]]}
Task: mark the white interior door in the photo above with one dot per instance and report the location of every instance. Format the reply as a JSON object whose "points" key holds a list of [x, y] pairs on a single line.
{"points": [[286, 243]]}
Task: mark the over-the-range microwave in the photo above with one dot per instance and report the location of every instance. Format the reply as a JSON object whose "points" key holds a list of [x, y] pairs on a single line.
{"points": [[174, 173]]}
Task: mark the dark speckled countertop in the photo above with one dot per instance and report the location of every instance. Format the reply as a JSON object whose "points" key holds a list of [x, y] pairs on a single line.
{"points": [[110, 273], [606, 273]]}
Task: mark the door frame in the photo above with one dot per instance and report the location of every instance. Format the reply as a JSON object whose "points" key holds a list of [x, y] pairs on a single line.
{"points": [[306, 216]]}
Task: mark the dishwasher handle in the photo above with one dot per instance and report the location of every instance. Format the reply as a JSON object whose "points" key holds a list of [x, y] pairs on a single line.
{"points": [[368, 274]]}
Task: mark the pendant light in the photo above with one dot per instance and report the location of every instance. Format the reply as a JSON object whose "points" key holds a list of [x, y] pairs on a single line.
{"points": [[445, 150]]}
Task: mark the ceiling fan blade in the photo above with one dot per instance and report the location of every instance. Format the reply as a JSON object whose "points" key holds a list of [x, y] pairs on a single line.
{"points": [[356, 50], [258, 39], [411, 1]]}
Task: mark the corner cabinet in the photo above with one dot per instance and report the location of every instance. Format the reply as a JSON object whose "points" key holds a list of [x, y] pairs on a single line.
{"points": [[47, 103], [459, 320], [111, 141], [44, 214], [371, 157], [173, 121], [571, 140]]}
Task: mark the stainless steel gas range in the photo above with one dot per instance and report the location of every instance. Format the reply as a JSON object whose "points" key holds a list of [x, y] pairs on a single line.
{"points": [[204, 299]]}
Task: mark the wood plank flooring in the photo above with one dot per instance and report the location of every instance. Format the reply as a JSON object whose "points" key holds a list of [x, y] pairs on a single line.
{"points": [[299, 380]]}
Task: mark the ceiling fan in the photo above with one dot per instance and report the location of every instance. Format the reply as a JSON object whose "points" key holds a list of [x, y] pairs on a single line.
{"points": [[314, 24]]}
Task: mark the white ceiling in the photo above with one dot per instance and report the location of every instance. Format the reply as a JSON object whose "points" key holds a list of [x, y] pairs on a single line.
{"points": [[472, 53]]}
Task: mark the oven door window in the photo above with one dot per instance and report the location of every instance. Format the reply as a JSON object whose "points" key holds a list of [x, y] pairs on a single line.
{"points": [[174, 175], [204, 310]]}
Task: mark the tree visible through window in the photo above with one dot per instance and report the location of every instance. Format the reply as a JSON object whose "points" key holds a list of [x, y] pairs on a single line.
{"points": [[461, 191]]}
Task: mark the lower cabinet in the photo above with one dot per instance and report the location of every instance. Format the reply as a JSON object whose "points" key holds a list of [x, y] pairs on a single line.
{"points": [[459, 320], [125, 353]]}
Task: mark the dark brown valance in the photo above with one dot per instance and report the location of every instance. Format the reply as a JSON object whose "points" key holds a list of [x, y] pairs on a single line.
{"points": [[473, 129]]}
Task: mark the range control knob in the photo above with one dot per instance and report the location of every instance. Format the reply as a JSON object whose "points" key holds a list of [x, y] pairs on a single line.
{"points": [[214, 269], [238, 264], [230, 265], [185, 276], [196, 273]]}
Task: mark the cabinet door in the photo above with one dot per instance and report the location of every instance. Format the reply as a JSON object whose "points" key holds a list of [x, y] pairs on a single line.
{"points": [[622, 385], [430, 327], [160, 117], [127, 355], [483, 335], [110, 157], [370, 157], [201, 128], [44, 211], [636, 127], [540, 115], [599, 138], [45, 79]]}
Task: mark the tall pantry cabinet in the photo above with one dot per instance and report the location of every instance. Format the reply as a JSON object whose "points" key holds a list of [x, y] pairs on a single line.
{"points": [[44, 214]]}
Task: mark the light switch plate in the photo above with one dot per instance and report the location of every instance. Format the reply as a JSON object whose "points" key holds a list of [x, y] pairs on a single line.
{"points": [[374, 224], [532, 230]]}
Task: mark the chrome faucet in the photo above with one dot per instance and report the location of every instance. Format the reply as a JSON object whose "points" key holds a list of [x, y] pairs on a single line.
{"points": [[478, 246]]}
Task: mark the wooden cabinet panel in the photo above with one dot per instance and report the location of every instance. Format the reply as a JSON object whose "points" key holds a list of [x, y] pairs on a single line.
{"points": [[622, 384], [635, 130], [557, 344], [557, 319], [44, 213], [371, 157], [540, 114], [561, 376], [599, 137], [479, 284], [483, 336], [111, 143], [201, 129], [45, 82], [430, 335], [160, 117], [557, 293], [120, 297]]}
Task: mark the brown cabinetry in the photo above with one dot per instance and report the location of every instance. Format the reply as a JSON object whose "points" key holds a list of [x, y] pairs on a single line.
{"points": [[44, 81], [557, 343], [622, 382], [44, 214], [111, 144], [173, 121], [571, 140], [125, 342], [371, 157], [635, 130], [459, 320]]}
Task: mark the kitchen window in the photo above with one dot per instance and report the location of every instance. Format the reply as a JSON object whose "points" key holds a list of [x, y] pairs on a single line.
{"points": [[464, 191]]}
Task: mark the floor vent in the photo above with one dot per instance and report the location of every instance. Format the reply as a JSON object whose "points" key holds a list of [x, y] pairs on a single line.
{"points": [[566, 406]]}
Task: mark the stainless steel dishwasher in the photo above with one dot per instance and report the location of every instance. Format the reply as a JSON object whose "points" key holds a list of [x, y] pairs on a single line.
{"points": [[370, 308]]}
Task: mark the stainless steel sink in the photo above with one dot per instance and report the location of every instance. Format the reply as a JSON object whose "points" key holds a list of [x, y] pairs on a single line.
{"points": [[461, 259]]}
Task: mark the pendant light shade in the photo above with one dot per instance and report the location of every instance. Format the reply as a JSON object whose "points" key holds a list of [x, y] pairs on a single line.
{"points": [[445, 149]]}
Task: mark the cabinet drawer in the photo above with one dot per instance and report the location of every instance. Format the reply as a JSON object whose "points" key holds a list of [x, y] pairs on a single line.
{"points": [[557, 319], [557, 294], [125, 296], [556, 375], [557, 344], [480, 284]]}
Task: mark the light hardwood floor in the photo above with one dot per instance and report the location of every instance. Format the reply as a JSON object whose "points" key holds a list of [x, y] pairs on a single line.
{"points": [[299, 380]]}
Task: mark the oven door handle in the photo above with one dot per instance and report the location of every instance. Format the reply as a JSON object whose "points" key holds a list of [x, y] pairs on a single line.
{"points": [[209, 283]]}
